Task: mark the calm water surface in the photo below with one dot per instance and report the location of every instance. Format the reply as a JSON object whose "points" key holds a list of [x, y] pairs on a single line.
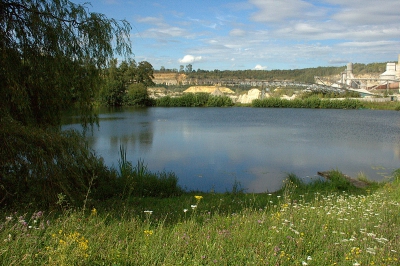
{"points": [[210, 148]]}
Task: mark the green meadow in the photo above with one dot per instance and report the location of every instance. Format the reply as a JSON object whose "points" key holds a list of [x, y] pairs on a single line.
{"points": [[318, 223]]}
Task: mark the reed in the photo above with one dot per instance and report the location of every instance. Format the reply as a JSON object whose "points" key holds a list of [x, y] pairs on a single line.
{"points": [[194, 100], [310, 102], [139, 181]]}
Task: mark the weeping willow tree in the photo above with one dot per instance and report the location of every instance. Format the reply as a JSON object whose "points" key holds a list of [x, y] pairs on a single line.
{"points": [[51, 53], [51, 56]]}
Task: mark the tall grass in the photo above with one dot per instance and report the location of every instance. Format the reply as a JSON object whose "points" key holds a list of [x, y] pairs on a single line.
{"points": [[293, 227], [200, 99], [310, 102], [139, 181]]}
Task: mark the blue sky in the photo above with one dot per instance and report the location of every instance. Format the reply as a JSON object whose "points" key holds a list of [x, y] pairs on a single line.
{"points": [[258, 34]]}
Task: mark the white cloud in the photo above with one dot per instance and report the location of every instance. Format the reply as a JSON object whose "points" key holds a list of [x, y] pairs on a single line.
{"points": [[260, 67], [284, 33], [189, 59], [237, 33], [367, 12], [277, 11]]}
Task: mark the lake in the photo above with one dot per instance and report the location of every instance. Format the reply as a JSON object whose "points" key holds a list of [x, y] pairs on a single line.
{"points": [[210, 149]]}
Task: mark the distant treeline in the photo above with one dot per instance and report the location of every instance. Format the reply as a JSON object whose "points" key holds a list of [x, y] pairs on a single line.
{"points": [[305, 75]]}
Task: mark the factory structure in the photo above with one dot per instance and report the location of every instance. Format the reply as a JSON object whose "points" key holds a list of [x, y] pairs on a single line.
{"points": [[390, 79]]}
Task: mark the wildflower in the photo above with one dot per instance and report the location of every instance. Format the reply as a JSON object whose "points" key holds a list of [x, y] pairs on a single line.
{"points": [[8, 239], [94, 211], [148, 232], [193, 206], [198, 197], [371, 251], [149, 212], [309, 258], [304, 263], [356, 264], [185, 210]]}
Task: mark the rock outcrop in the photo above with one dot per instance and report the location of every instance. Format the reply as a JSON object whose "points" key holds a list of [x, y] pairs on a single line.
{"points": [[249, 96]]}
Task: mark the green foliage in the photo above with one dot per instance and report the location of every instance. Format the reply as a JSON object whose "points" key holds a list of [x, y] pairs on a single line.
{"points": [[51, 53], [137, 95], [310, 102], [219, 101], [201, 99], [338, 181], [37, 165], [144, 74], [113, 93], [141, 182], [326, 94], [126, 84]]}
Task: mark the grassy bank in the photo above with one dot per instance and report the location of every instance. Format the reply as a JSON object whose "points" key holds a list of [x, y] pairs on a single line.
{"points": [[392, 105], [311, 102], [322, 223]]}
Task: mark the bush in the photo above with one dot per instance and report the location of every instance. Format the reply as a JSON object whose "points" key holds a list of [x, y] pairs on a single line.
{"points": [[137, 95]]}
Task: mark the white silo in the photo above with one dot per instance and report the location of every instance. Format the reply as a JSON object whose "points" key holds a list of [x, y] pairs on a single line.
{"points": [[349, 73]]}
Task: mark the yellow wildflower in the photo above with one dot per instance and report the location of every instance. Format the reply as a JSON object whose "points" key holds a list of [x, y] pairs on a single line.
{"points": [[148, 232], [94, 211], [198, 197]]}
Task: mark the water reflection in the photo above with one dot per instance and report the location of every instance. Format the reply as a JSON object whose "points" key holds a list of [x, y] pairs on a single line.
{"points": [[210, 148]]}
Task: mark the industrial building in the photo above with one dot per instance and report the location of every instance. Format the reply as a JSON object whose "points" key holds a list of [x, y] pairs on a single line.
{"points": [[390, 79]]}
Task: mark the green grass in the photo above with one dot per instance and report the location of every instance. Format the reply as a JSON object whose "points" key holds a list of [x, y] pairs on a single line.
{"points": [[320, 223], [382, 105], [310, 102]]}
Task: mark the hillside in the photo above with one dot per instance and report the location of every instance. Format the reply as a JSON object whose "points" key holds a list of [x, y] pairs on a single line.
{"points": [[209, 89], [169, 78], [236, 77]]}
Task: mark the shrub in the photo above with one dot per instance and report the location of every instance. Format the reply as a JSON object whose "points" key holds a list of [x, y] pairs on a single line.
{"points": [[137, 95]]}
